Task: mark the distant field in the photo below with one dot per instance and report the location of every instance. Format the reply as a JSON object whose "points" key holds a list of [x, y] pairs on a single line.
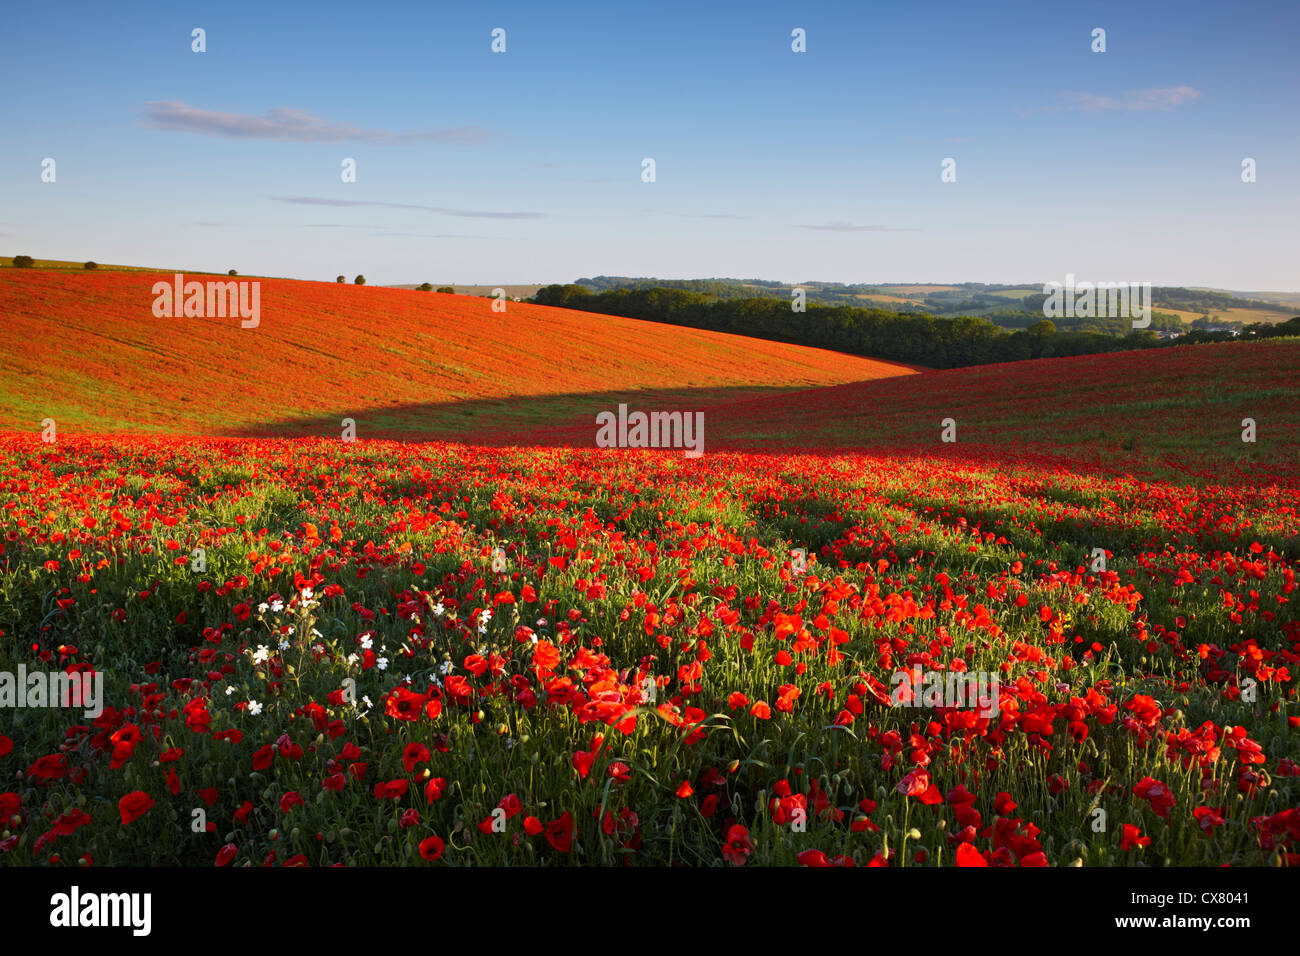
{"points": [[889, 299], [1290, 299], [918, 289], [1246, 316], [513, 291]]}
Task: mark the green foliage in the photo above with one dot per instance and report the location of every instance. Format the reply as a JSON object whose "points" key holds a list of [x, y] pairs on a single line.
{"points": [[24, 262], [91, 265], [913, 338], [359, 280], [447, 289]]}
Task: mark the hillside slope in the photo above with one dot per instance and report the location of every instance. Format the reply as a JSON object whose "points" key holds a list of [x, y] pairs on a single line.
{"points": [[1178, 407], [86, 350]]}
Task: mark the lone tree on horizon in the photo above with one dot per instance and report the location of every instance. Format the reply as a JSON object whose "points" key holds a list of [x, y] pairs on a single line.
{"points": [[360, 280]]}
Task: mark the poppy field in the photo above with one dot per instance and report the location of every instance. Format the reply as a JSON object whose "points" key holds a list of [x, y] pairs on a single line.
{"points": [[315, 652], [85, 350]]}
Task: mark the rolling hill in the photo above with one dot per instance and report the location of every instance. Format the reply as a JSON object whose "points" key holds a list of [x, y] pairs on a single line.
{"points": [[85, 349]]}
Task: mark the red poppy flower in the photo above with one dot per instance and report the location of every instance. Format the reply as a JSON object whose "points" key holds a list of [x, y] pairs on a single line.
{"points": [[67, 822], [431, 848], [738, 846], [134, 805], [813, 858], [545, 656], [49, 767], [967, 855], [391, 790], [404, 704], [1132, 837], [262, 758], [414, 753], [915, 783], [559, 833], [10, 804]]}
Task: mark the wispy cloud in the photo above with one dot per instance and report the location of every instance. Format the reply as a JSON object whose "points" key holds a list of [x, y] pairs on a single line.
{"points": [[1164, 98], [1133, 101], [293, 125], [850, 227], [436, 235], [440, 210]]}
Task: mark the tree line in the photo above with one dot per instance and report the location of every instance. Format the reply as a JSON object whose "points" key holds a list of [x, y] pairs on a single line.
{"points": [[911, 338]]}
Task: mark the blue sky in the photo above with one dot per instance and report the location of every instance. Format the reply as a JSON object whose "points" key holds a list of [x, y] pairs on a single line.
{"points": [[477, 167]]}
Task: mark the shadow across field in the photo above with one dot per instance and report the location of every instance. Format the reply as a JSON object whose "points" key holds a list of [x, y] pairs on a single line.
{"points": [[890, 417], [556, 419]]}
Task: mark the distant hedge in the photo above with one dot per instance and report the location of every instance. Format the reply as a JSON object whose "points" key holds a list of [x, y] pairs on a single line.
{"points": [[917, 339]]}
